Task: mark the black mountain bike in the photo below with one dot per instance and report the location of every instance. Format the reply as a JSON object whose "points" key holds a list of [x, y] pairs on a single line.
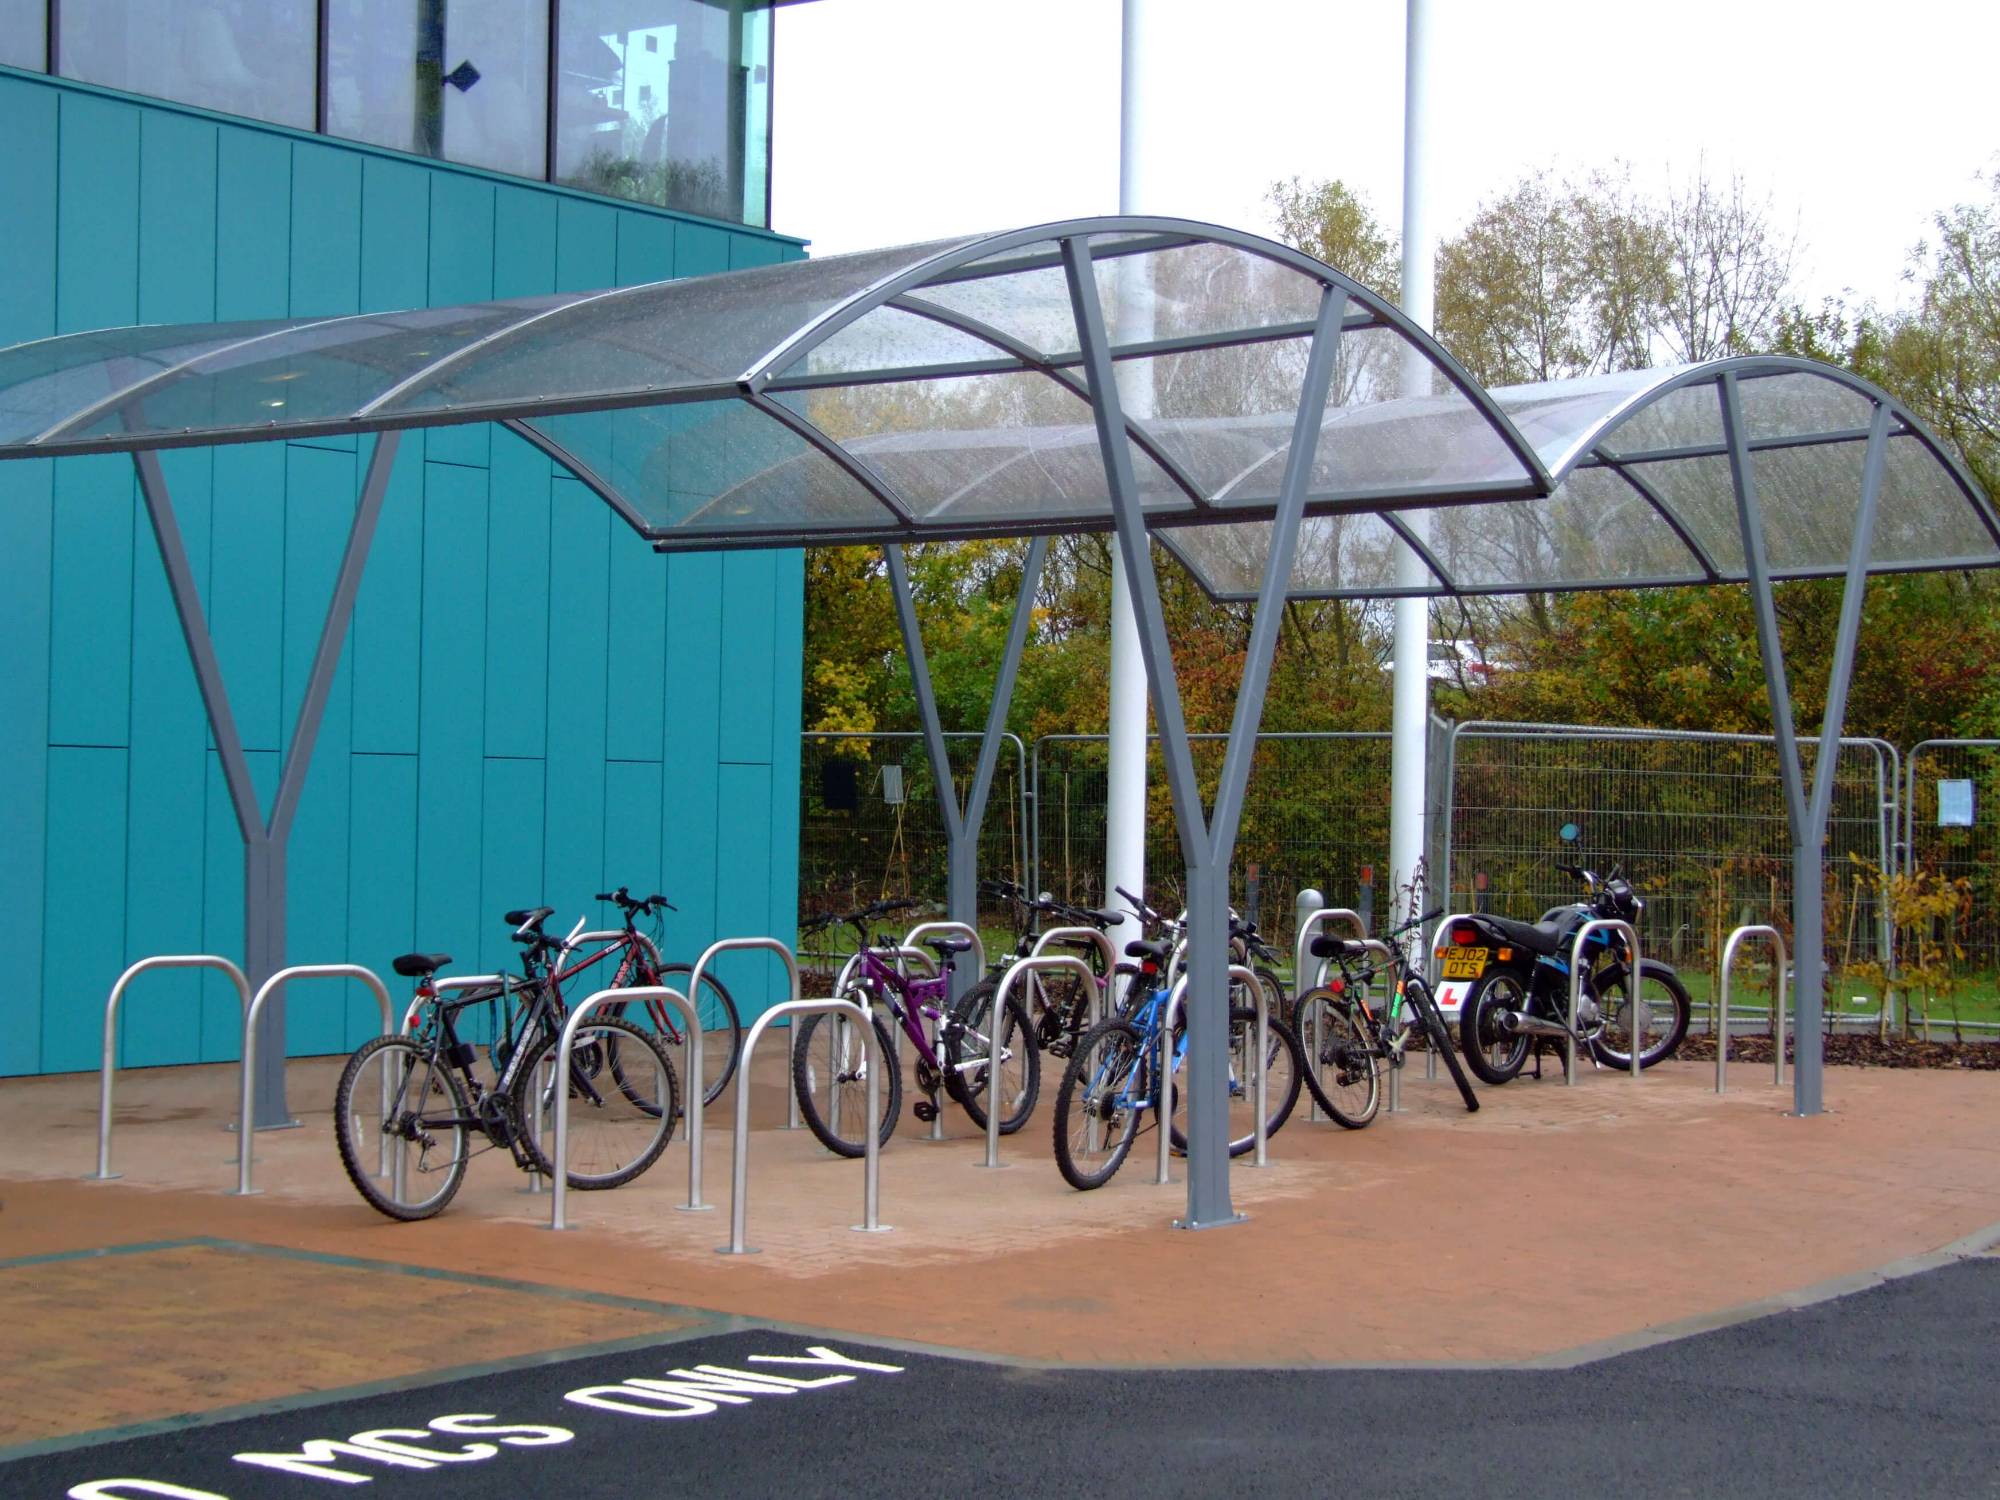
{"points": [[407, 1105], [1348, 1042]]}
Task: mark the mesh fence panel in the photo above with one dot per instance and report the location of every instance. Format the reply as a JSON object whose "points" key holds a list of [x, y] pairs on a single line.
{"points": [[859, 841], [1697, 821], [1315, 813], [1957, 850]]}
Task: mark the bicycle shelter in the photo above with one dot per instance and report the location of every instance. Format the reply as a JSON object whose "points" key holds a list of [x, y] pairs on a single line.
{"points": [[1276, 427]]}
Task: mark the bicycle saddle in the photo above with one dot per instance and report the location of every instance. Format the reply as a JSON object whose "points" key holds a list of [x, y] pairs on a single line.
{"points": [[1326, 945], [1105, 917], [529, 917], [419, 965], [946, 943], [1157, 952]]}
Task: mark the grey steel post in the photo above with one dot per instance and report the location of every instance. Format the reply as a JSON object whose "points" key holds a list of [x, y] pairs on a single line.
{"points": [[110, 1060], [1595, 925], [1736, 940], [740, 1138], [559, 1151], [1002, 992], [247, 1068]]}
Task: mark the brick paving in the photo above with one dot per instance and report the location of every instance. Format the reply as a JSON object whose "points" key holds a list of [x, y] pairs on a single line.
{"points": [[1554, 1218]]}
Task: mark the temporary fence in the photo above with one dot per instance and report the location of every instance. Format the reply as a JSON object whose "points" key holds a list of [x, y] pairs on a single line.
{"points": [[1951, 830], [1696, 819], [869, 824]]}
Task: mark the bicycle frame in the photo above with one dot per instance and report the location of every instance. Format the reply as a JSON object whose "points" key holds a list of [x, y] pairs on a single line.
{"points": [[910, 998]]}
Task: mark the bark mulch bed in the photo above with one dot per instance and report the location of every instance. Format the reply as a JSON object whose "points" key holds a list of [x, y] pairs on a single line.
{"points": [[1858, 1051]]}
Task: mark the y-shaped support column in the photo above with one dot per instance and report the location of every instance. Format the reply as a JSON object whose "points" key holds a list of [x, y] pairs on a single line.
{"points": [[1207, 843]]}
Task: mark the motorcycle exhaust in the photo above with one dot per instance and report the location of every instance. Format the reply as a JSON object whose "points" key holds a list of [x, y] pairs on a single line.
{"points": [[1515, 1024]]}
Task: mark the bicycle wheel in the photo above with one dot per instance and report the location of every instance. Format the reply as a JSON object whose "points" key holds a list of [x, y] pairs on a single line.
{"points": [[618, 1126], [1276, 999], [399, 1117], [966, 1052], [1417, 995], [721, 1027], [1104, 1090], [1341, 1067], [830, 1074], [1282, 1066]]}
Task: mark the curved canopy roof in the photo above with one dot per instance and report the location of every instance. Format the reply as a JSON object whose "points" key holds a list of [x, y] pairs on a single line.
{"points": [[938, 391]]}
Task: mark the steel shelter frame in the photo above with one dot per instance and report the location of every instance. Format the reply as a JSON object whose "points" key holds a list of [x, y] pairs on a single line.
{"points": [[529, 365]]}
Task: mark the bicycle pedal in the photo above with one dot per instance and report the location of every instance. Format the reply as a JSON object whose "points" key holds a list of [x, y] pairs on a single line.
{"points": [[925, 1111]]}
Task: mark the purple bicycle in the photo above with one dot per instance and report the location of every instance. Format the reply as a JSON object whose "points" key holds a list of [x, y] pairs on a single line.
{"points": [[830, 1059]]}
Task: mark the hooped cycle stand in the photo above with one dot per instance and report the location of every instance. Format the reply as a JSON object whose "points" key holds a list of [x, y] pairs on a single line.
{"points": [[1736, 939], [1047, 963], [559, 1153], [1601, 924], [248, 1066], [1077, 937], [110, 1061], [745, 945], [1238, 974], [872, 1134]]}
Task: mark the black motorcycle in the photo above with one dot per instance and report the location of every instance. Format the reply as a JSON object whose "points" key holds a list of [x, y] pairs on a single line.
{"points": [[1511, 983]]}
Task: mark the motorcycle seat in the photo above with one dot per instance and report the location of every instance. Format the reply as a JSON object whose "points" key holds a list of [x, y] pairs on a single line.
{"points": [[1537, 937]]}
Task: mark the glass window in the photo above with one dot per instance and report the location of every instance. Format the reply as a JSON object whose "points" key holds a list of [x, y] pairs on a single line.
{"points": [[24, 39], [465, 80], [667, 102], [243, 57]]}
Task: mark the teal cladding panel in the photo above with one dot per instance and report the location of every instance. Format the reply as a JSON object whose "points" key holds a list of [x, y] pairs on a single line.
{"points": [[28, 171], [90, 626], [176, 219], [530, 703]]}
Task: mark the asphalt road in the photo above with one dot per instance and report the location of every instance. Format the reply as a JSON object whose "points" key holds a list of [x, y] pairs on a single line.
{"points": [[1891, 1392]]}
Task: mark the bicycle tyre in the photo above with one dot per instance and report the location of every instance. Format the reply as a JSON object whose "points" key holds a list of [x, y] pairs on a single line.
{"points": [[721, 1026], [1440, 1038], [968, 1090], [1280, 1097], [639, 1144], [1109, 1062], [355, 1150], [845, 1076], [1342, 1039]]}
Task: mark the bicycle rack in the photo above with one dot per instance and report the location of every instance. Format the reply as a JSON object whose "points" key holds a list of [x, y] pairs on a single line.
{"points": [[159, 961], [1239, 974], [746, 945], [1600, 924], [954, 929], [872, 1136], [1729, 948], [559, 1153], [1314, 919], [1046, 963], [248, 1067], [1080, 937]]}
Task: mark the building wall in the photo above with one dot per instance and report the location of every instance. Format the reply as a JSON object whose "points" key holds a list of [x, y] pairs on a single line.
{"points": [[532, 706]]}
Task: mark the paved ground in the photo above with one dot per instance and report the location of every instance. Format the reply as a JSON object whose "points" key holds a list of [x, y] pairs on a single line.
{"points": [[1888, 1391], [1554, 1220]]}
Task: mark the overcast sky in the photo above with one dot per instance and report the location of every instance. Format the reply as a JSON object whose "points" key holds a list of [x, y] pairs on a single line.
{"points": [[900, 120]]}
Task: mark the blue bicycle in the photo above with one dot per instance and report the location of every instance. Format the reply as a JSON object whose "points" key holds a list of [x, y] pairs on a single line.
{"points": [[1112, 1080]]}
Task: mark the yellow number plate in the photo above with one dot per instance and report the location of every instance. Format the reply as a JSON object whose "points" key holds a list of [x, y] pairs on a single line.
{"points": [[1464, 963]]}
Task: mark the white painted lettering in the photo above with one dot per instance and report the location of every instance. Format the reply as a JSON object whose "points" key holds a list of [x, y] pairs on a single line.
{"points": [[137, 1489], [635, 1401], [316, 1455], [716, 1383], [513, 1435], [819, 1354], [378, 1439]]}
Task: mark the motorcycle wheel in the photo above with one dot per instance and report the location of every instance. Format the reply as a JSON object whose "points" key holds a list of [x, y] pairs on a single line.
{"points": [[1664, 1003], [1493, 1056]]}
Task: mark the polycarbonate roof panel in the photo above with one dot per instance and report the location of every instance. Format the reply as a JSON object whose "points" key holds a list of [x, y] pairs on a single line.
{"points": [[939, 390]]}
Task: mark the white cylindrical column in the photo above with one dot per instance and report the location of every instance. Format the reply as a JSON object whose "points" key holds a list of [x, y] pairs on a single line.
{"points": [[1125, 811], [1410, 718]]}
